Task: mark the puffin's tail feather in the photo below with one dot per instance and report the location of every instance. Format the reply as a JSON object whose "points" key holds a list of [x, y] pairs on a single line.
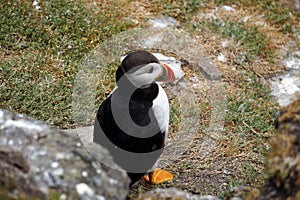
{"points": [[134, 177]]}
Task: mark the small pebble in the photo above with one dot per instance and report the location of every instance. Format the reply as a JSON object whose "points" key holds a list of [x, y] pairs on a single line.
{"points": [[10, 142], [224, 44], [58, 172], [113, 181], [227, 8], [98, 197], [222, 57], [163, 22], [59, 156], [84, 173], [63, 197], [83, 188], [54, 164]]}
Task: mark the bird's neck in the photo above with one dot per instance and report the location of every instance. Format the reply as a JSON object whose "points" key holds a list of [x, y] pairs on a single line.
{"points": [[138, 104], [144, 94]]}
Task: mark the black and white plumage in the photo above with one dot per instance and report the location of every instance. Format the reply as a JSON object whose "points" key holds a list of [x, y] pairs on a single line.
{"points": [[132, 123]]}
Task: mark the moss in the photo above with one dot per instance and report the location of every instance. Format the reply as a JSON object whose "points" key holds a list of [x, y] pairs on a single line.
{"points": [[283, 170]]}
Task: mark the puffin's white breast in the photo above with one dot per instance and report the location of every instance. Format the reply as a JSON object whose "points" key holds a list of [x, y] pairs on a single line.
{"points": [[161, 110]]}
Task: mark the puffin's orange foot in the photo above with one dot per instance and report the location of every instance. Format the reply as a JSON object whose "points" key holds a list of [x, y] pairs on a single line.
{"points": [[158, 176]]}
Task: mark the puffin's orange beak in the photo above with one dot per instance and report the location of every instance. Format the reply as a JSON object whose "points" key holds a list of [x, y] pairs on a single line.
{"points": [[166, 75]]}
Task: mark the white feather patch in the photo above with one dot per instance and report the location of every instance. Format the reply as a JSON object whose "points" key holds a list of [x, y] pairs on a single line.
{"points": [[161, 110]]}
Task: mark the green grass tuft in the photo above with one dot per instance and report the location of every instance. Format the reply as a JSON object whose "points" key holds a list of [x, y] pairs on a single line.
{"points": [[253, 42], [181, 10], [43, 49], [251, 111], [253, 105], [276, 12]]}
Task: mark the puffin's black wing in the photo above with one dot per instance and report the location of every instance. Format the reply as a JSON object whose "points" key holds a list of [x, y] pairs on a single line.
{"points": [[108, 134], [141, 113]]}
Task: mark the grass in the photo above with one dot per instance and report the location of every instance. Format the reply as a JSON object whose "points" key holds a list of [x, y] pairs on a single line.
{"points": [[253, 43], [253, 105], [232, 183], [249, 125], [175, 112], [42, 50], [276, 12], [181, 10]]}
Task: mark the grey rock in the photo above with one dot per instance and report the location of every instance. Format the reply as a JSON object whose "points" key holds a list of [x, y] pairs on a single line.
{"points": [[40, 161], [209, 69], [173, 193], [163, 22]]}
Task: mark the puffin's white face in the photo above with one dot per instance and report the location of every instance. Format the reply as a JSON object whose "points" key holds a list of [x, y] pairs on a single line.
{"points": [[144, 75]]}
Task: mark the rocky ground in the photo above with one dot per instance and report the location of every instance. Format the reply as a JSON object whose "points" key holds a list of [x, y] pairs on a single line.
{"points": [[284, 161], [40, 162]]}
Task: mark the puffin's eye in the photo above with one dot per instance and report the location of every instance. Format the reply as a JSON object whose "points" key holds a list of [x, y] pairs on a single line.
{"points": [[150, 70]]}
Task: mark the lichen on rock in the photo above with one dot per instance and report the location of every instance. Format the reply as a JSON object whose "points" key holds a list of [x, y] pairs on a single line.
{"points": [[284, 160], [38, 161]]}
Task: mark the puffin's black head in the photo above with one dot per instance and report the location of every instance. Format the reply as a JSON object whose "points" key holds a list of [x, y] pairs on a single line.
{"points": [[142, 68], [134, 60]]}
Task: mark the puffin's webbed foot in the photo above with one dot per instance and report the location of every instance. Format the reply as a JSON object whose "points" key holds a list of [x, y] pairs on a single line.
{"points": [[158, 176]]}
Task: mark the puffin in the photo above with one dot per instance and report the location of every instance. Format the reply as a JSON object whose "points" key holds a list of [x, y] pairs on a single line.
{"points": [[132, 122]]}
